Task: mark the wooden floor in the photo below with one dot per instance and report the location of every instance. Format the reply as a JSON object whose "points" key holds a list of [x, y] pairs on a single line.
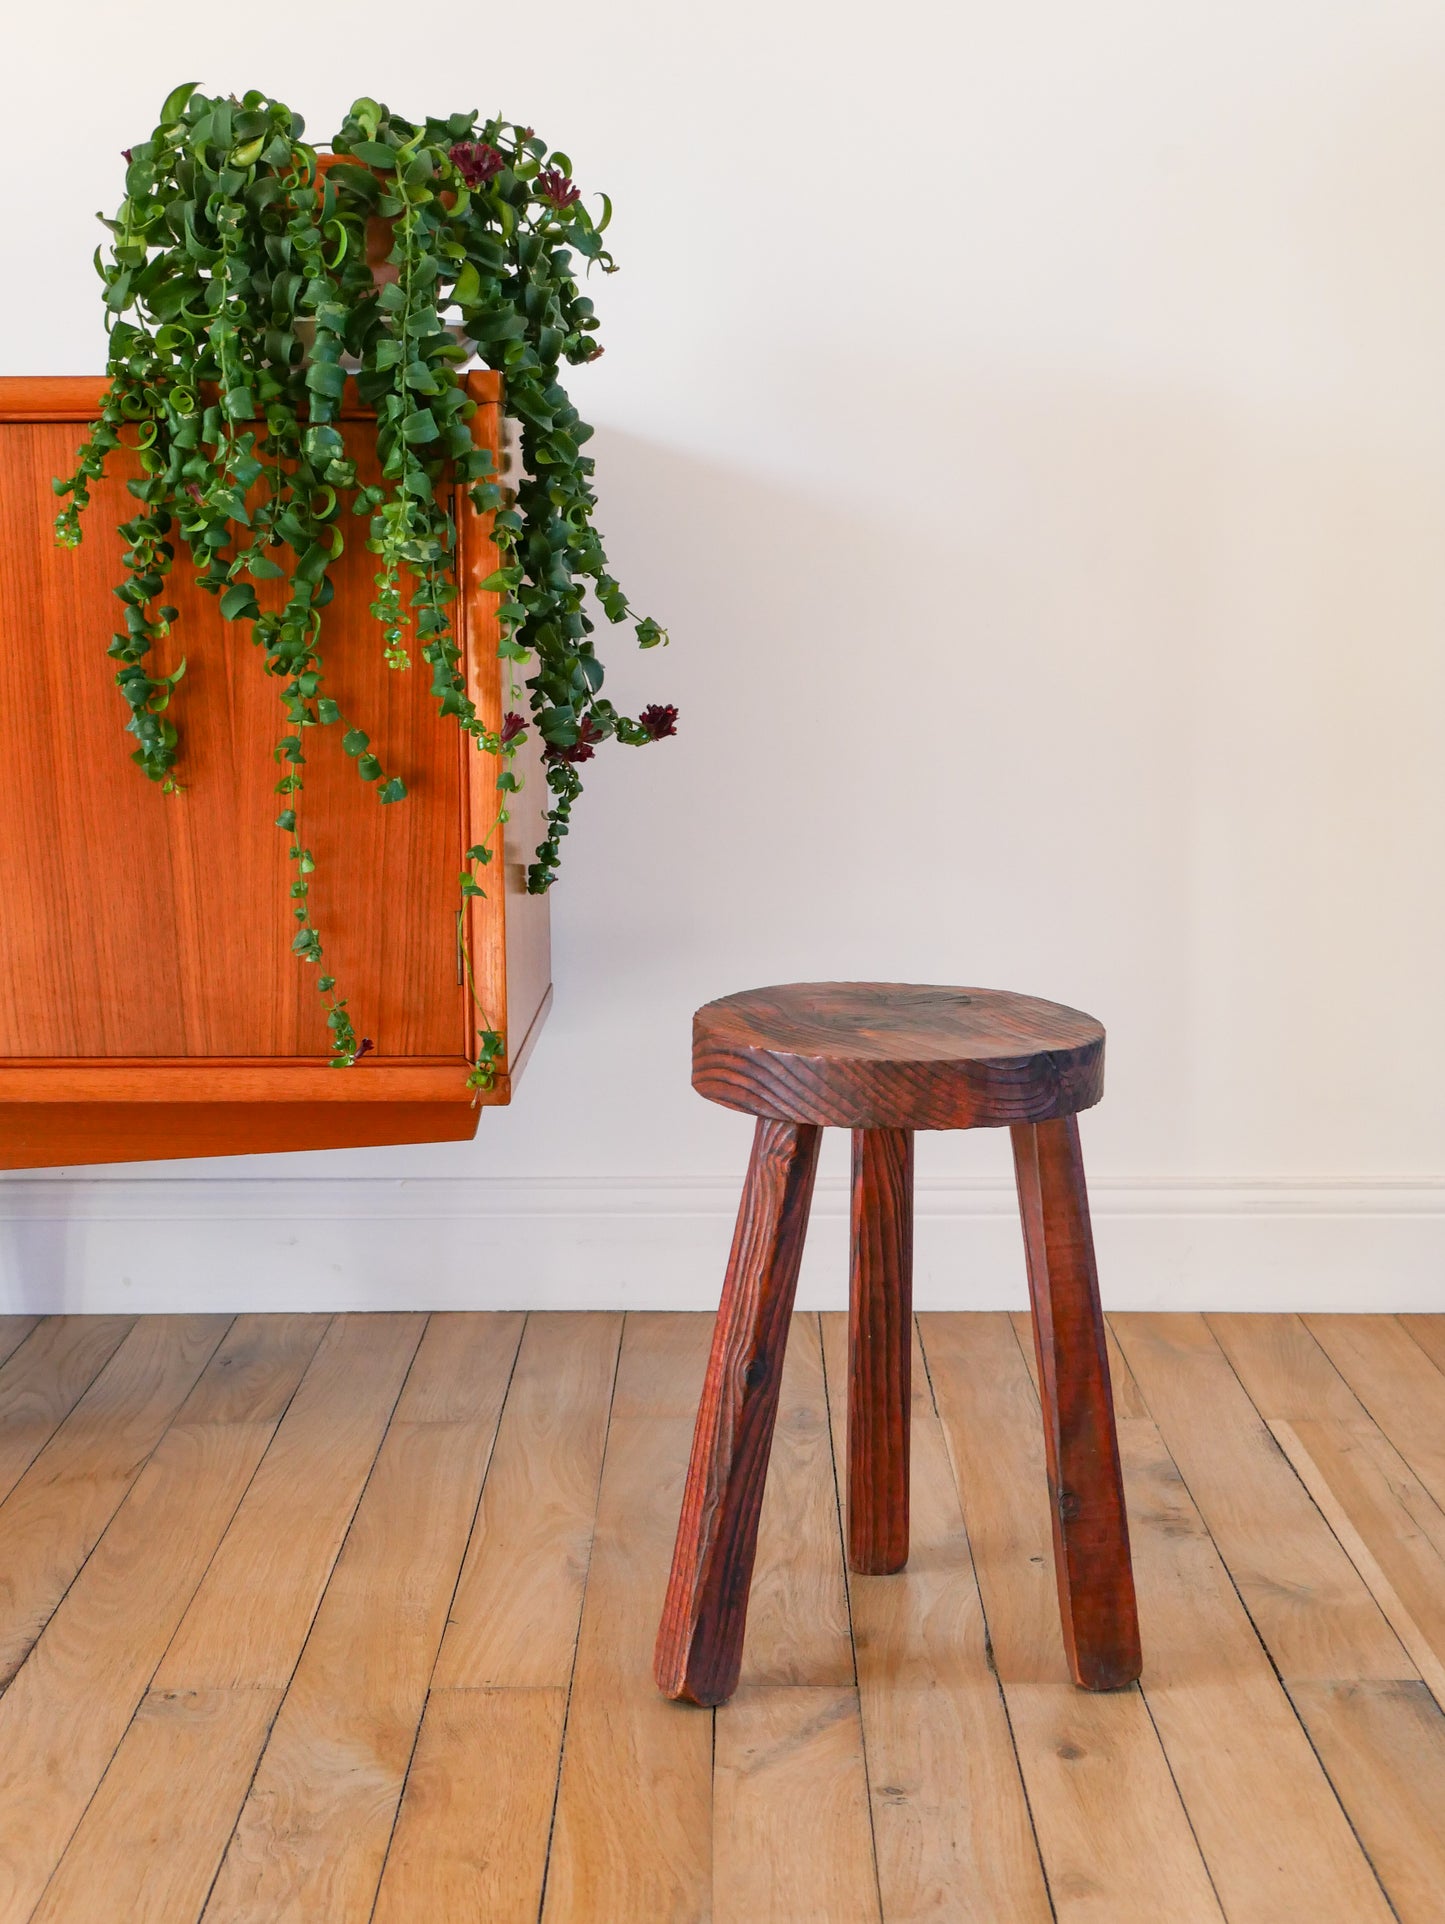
{"points": [[334, 1619]]}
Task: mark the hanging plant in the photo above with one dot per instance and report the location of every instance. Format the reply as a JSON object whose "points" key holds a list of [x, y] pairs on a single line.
{"points": [[248, 279]]}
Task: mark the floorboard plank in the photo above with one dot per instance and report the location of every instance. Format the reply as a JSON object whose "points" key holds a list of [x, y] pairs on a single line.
{"points": [[43, 1380], [1307, 1600], [216, 1692], [665, 1364], [147, 1848], [950, 1818], [313, 1833], [517, 1608], [633, 1831], [1384, 1747], [1277, 1844], [1116, 1843], [790, 1809], [14, 1330], [471, 1840], [1429, 1333], [67, 1709], [1398, 1384], [1388, 1522], [57, 1511], [1286, 1374], [251, 1614], [1367, 1493], [798, 1610], [1391, 1528]]}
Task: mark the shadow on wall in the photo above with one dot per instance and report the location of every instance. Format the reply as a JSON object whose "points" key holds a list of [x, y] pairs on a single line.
{"points": [[1118, 693], [1095, 663]]}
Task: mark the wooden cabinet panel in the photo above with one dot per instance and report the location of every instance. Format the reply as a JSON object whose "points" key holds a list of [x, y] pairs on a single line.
{"points": [[146, 937]]}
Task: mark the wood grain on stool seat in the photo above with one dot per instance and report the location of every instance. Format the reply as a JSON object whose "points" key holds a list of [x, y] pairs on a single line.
{"points": [[896, 1055]]}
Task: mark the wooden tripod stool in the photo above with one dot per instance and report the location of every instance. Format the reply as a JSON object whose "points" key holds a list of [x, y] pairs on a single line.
{"points": [[884, 1059]]}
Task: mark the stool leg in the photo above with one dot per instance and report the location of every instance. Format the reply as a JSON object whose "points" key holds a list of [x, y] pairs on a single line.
{"points": [[700, 1640], [880, 1350], [1086, 1490]]}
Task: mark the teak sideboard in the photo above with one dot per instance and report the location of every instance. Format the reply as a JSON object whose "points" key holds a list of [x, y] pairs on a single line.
{"points": [[150, 1005]]}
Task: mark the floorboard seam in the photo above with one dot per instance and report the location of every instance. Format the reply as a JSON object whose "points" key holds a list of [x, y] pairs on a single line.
{"points": [[1371, 1572], [987, 1636], [1249, 1618], [848, 1605], [1425, 1477], [446, 1620], [65, 1417], [215, 1552], [1428, 1354], [140, 1467], [29, 1337], [225, 1850], [30, 1332], [581, 1608]]}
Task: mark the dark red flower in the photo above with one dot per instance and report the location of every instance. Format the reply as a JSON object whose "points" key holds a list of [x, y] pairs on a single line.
{"points": [[512, 726], [658, 719], [583, 749], [125, 154], [476, 162], [556, 188], [364, 1047]]}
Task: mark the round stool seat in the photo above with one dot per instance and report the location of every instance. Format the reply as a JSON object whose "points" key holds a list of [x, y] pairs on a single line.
{"points": [[896, 1055]]}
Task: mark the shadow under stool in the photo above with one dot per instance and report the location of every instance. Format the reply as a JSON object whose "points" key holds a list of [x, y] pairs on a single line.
{"points": [[884, 1059]]}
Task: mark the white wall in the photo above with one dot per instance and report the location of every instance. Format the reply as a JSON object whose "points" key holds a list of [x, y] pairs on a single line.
{"points": [[1030, 421]]}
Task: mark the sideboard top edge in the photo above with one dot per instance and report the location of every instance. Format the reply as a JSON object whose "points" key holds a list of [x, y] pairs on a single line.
{"points": [[77, 397]]}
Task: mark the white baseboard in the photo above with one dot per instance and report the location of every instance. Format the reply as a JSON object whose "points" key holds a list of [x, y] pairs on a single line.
{"points": [[232, 1243]]}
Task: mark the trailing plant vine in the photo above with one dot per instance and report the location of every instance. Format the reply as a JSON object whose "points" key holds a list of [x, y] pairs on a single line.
{"points": [[240, 299]]}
